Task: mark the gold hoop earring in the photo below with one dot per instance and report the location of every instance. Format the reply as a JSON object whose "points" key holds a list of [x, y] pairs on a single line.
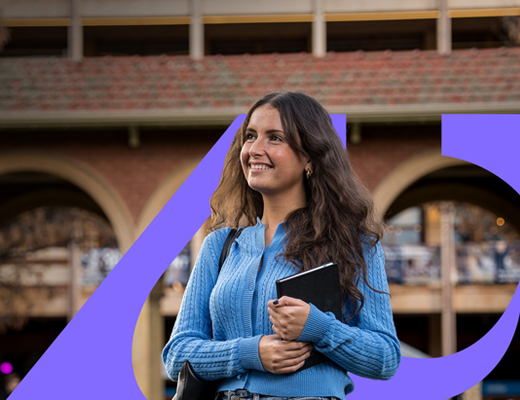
{"points": [[309, 173]]}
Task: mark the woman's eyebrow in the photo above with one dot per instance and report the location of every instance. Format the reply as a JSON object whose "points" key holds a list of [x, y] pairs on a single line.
{"points": [[267, 131]]}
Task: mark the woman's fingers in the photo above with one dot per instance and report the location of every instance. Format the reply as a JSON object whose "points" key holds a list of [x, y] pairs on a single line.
{"points": [[288, 316], [284, 301], [296, 355], [280, 356], [290, 345], [292, 364], [287, 329]]}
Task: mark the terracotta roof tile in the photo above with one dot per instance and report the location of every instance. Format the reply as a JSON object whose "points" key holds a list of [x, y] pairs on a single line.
{"points": [[176, 82]]}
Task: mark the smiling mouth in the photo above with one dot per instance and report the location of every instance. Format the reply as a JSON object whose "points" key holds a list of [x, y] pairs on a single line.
{"points": [[259, 167]]}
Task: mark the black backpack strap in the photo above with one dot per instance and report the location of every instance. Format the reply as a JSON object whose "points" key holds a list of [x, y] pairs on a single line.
{"points": [[233, 234]]}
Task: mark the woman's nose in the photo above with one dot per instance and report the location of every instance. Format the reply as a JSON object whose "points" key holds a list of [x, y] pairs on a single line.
{"points": [[257, 148]]}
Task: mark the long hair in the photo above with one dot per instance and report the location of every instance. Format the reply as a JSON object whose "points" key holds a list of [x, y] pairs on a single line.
{"points": [[339, 215]]}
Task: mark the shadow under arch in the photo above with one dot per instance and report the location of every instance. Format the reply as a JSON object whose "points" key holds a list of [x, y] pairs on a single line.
{"points": [[406, 174], [47, 198], [460, 192], [86, 179]]}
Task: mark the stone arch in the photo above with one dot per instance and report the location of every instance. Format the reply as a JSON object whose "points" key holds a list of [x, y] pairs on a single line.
{"points": [[478, 196], [85, 178], [163, 193], [407, 173]]}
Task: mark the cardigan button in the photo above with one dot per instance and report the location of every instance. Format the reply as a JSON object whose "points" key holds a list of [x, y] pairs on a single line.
{"points": [[251, 286]]}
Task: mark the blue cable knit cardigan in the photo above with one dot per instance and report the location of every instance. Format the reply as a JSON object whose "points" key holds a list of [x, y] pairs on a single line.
{"points": [[234, 308]]}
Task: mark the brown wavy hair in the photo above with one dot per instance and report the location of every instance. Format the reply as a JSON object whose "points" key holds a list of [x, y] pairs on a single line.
{"points": [[339, 216]]}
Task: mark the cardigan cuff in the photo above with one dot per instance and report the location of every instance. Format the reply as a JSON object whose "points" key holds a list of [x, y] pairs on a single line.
{"points": [[248, 353], [316, 326]]}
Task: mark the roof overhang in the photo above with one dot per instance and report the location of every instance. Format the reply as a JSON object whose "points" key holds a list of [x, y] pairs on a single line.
{"points": [[223, 117]]}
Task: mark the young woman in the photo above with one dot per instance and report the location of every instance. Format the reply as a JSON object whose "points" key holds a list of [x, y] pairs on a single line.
{"points": [[288, 182]]}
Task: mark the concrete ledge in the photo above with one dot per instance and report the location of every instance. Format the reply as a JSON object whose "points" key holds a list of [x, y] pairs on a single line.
{"points": [[224, 116]]}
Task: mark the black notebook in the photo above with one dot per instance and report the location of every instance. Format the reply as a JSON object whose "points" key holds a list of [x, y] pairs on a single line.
{"points": [[319, 286]]}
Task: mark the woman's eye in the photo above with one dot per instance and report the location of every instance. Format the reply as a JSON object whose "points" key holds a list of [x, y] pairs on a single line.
{"points": [[250, 136], [277, 138]]}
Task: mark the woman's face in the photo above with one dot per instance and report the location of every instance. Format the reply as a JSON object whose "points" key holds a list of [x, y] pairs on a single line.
{"points": [[270, 165]]}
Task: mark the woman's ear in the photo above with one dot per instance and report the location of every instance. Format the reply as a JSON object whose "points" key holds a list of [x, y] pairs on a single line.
{"points": [[309, 169], [309, 166]]}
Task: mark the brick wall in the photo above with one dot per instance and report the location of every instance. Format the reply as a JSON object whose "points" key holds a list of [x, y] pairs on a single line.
{"points": [[384, 148], [136, 172]]}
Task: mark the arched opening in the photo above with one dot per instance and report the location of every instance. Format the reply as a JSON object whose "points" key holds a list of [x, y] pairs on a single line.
{"points": [[486, 266], [56, 247], [81, 176], [463, 183]]}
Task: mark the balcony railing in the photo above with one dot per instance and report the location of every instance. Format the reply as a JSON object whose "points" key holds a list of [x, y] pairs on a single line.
{"points": [[489, 262]]}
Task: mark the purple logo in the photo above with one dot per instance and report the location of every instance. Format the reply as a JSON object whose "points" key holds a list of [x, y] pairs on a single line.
{"points": [[93, 355]]}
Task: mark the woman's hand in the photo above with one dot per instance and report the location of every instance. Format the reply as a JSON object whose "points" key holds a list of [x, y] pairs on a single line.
{"points": [[288, 316], [282, 356]]}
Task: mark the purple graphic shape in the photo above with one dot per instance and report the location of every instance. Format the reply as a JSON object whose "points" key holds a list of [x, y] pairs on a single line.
{"points": [[92, 356], [492, 142], [339, 121]]}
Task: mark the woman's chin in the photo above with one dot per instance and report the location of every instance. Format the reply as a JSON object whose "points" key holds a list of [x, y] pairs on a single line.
{"points": [[257, 184]]}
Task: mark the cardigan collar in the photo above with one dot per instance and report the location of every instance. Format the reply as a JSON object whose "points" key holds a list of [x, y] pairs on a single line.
{"points": [[259, 229]]}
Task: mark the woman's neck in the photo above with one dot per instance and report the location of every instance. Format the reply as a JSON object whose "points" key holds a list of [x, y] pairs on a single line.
{"points": [[275, 212]]}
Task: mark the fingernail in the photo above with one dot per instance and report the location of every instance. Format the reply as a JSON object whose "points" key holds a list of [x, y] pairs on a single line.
{"points": [[275, 302]]}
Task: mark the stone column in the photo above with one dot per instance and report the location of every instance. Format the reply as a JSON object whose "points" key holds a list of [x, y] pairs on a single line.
{"points": [[75, 32], [74, 284], [443, 28], [196, 31], [319, 30], [147, 347], [448, 268]]}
